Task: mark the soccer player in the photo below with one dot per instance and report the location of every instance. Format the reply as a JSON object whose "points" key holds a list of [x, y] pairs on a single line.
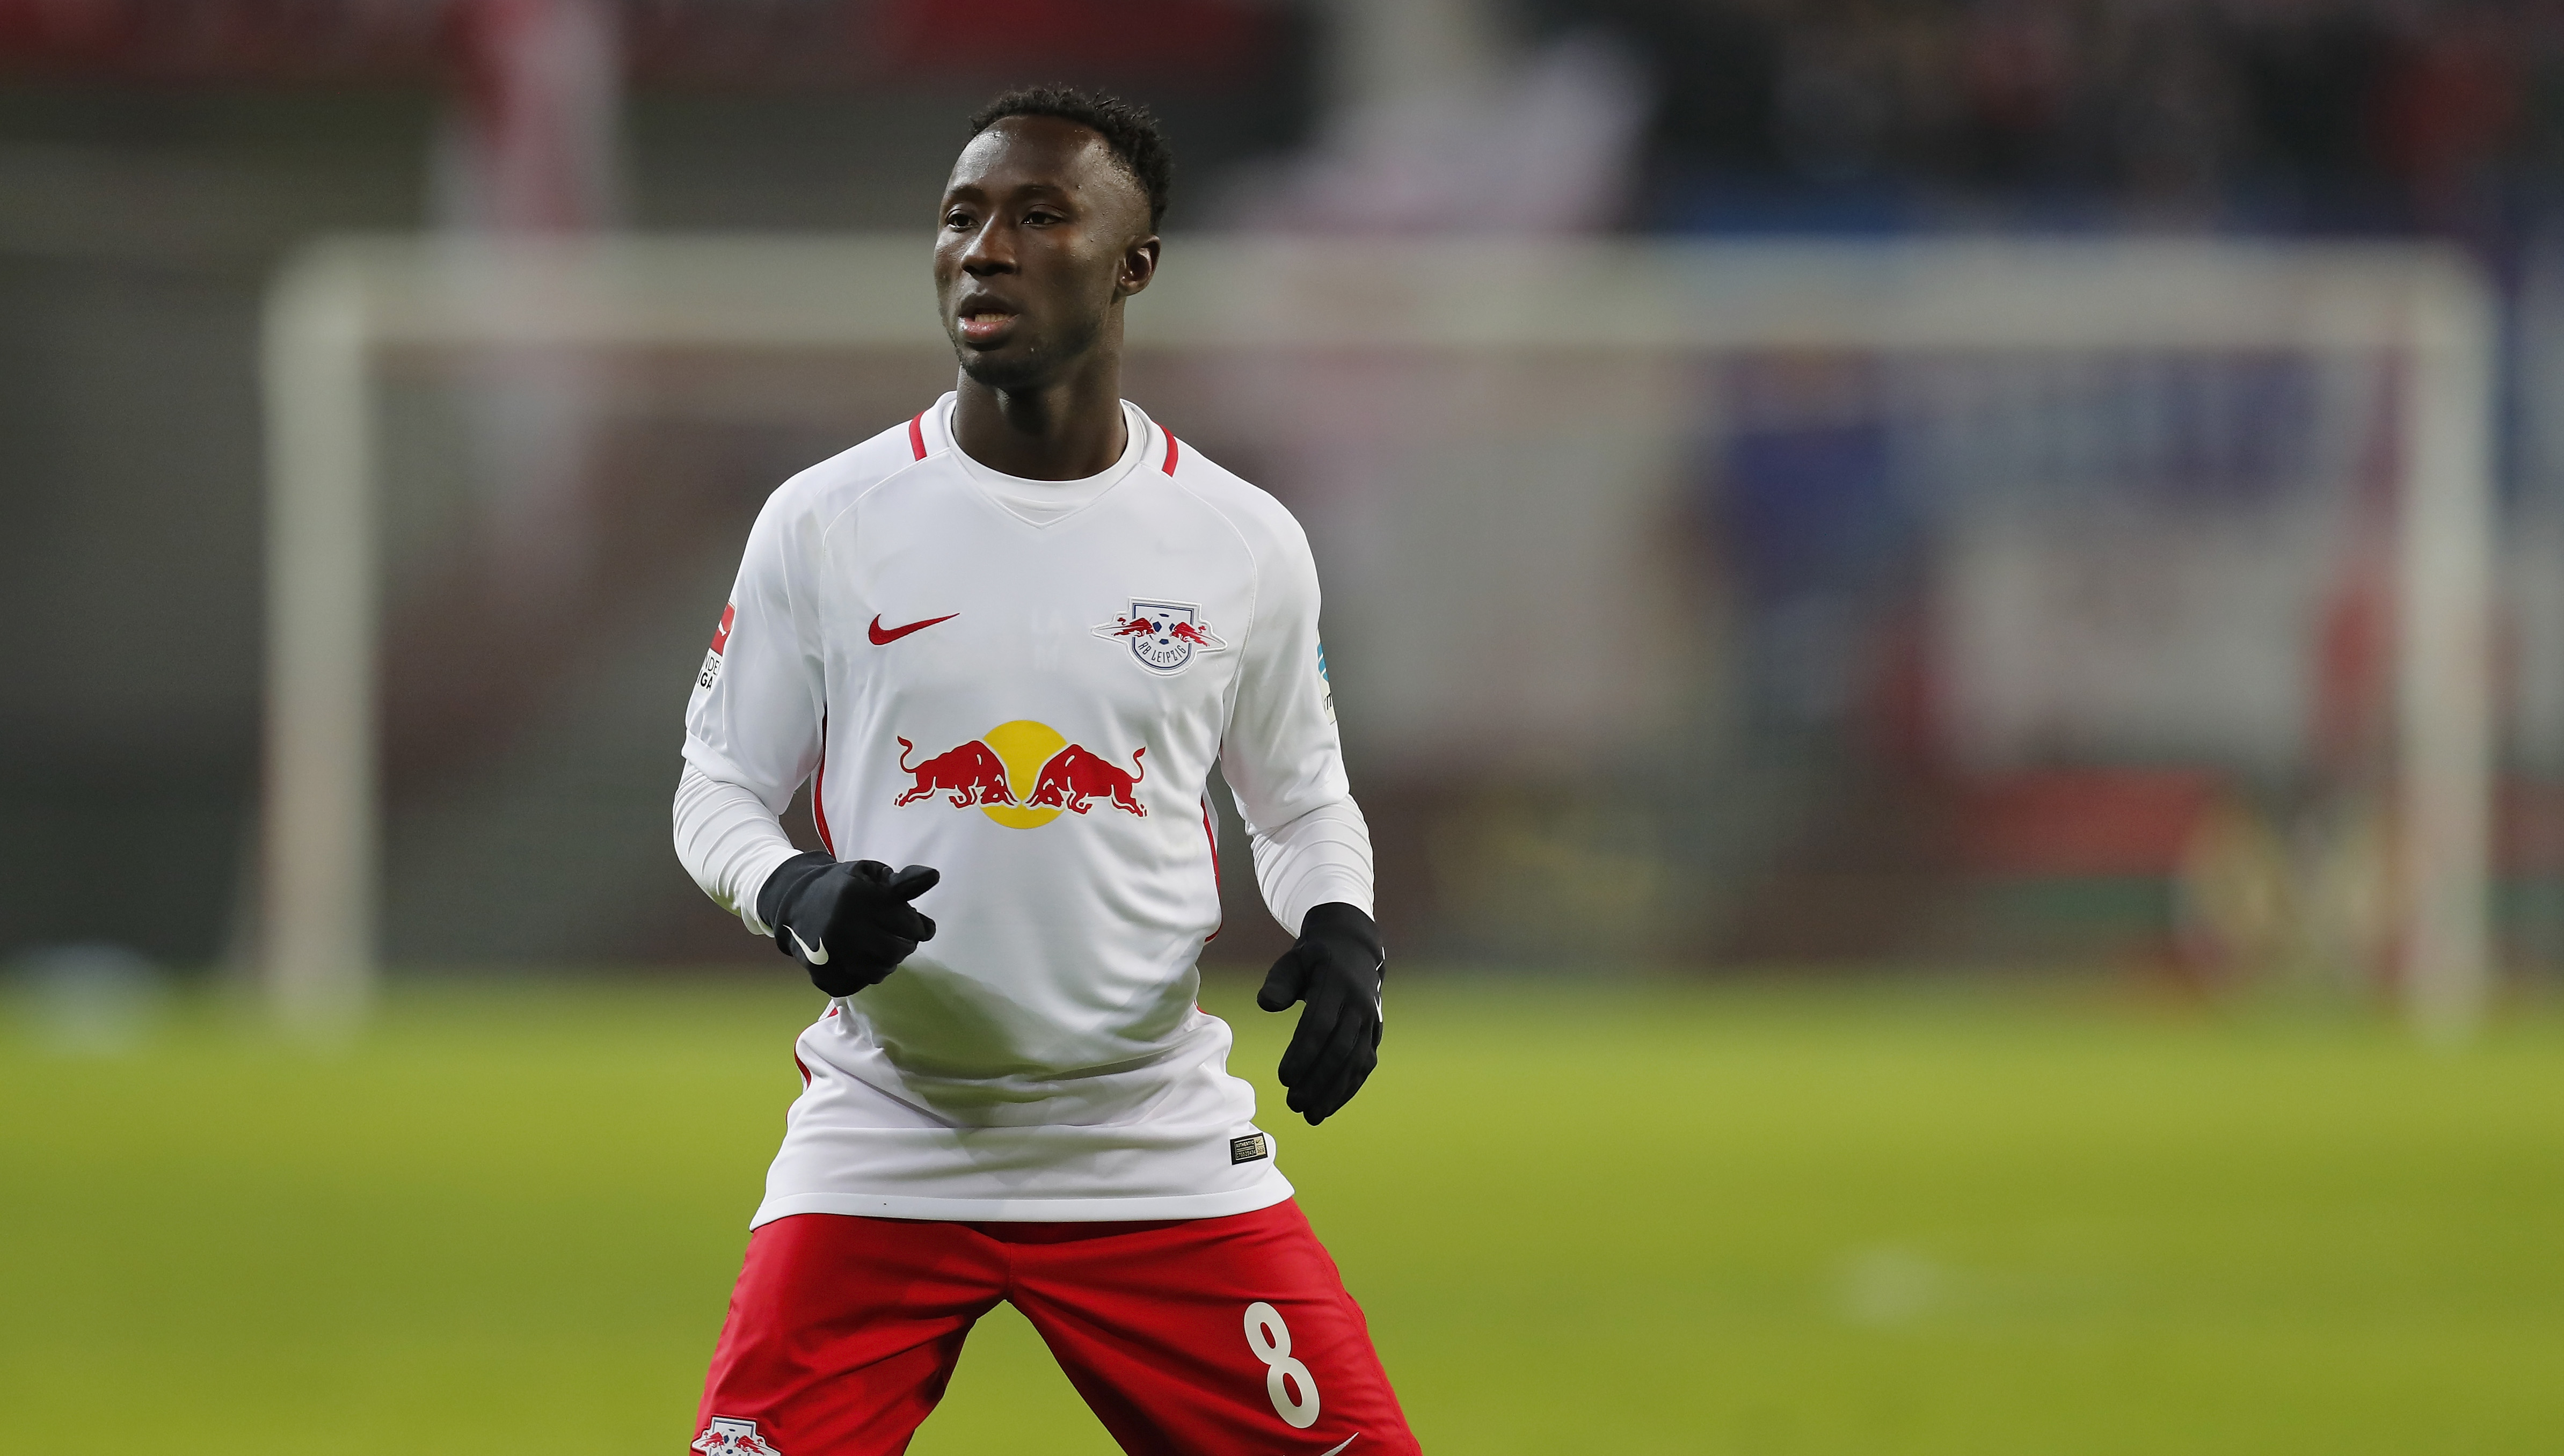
{"points": [[1006, 640]]}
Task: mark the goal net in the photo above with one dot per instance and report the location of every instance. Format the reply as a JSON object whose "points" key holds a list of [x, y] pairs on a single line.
{"points": [[1716, 603]]}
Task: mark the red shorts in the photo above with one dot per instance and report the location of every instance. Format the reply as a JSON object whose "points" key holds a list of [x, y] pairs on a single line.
{"points": [[1206, 1337]]}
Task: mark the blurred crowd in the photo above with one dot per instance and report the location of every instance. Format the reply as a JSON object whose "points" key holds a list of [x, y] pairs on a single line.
{"points": [[751, 43], [2330, 114], [2325, 113]]}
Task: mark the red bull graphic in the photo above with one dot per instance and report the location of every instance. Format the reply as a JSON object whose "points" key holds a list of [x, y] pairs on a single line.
{"points": [[729, 1437], [1023, 775], [972, 773], [1163, 636], [1074, 775]]}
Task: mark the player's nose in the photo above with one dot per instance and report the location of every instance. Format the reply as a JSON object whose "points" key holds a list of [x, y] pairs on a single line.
{"points": [[990, 251]]}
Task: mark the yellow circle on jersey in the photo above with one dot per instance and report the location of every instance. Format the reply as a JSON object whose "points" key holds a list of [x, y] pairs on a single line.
{"points": [[1024, 747]]}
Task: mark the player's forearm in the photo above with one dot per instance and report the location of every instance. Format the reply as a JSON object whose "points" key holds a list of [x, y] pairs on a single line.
{"points": [[1321, 855], [729, 842]]}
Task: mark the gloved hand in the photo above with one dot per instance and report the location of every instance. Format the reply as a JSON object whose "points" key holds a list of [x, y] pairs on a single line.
{"points": [[849, 923], [1336, 968]]}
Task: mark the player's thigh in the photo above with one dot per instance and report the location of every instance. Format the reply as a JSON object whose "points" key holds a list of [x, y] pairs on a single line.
{"points": [[842, 1335], [1212, 1336]]}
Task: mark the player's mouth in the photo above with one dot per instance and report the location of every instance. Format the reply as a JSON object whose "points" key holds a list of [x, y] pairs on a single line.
{"points": [[985, 325]]}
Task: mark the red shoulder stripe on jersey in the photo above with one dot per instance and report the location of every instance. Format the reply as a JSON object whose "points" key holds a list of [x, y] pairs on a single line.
{"points": [[1170, 466], [1214, 854], [805, 1066], [819, 789], [917, 434]]}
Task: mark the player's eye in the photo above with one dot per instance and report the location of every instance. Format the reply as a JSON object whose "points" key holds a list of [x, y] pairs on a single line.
{"points": [[957, 219], [1042, 219]]}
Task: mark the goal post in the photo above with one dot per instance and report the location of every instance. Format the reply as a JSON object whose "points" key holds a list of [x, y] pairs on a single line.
{"points": [[318, 866], [338, 305]]}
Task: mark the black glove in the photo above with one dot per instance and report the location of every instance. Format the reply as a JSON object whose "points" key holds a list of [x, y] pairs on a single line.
{"points": [[1336, 968], [849, 924]]}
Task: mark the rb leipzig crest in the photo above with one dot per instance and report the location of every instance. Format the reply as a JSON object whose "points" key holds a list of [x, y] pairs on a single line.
{"points": [[729, 1437], [1163, 636]]}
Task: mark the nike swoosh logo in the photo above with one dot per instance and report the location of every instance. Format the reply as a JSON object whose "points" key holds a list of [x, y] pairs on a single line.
{"points": [[819, 957], [885, 636], [1349, 1440]]}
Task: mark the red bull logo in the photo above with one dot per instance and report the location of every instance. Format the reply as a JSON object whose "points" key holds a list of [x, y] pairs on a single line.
{"points": [[1073, 776], [1023, 775], [972, 773]]}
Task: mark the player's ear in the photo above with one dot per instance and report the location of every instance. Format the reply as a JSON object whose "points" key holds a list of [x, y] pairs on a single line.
{"points": [[1138, 265]]}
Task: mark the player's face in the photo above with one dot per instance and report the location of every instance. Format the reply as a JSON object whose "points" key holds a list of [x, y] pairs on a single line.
{"points": [[1043, 234]]}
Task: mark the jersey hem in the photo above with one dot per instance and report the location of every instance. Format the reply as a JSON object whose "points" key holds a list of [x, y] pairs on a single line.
{"points": [[1264, 1194]]}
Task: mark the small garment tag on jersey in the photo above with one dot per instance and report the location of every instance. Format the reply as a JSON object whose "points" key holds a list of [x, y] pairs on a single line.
{"points": [[1326, 688], [1247, 1148], [720, 643]]}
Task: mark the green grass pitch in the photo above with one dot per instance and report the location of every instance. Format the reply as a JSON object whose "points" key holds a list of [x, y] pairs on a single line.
{"points": [[1584, 1216]]}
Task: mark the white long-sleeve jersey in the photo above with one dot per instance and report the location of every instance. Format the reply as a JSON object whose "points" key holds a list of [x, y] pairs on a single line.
{"points": [[1025, 686]]}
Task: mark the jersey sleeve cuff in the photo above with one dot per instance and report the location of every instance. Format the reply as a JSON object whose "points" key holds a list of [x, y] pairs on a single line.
{"points": [[752, 884], [1324, 886]]}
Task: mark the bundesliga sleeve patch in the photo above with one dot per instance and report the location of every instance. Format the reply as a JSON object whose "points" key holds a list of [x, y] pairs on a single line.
{"points": [[1248, 1149], [711, 673]]}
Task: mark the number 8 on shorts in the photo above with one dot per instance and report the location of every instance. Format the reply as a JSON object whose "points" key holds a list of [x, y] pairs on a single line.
{"points": [[1270, 1338]]}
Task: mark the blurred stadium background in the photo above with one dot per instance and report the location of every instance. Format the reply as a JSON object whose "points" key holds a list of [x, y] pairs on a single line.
{"points": [[1953, 791]]}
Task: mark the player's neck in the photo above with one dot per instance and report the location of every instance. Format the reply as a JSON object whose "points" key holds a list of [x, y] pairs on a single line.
{"points": [[1061, 430]]}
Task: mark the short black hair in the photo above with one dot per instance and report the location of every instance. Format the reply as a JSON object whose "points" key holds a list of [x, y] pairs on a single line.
{"points": [[1129, 129]]}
